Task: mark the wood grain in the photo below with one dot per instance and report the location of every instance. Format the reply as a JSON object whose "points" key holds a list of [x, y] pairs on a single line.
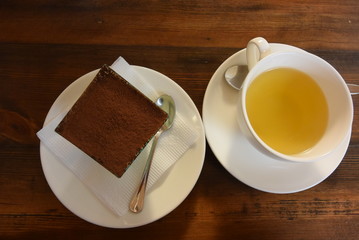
{"points": [[228, 23], [46, 45]]}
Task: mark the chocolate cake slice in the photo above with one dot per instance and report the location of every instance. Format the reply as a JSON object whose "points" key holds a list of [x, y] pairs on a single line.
{"points": [[112, 121]]}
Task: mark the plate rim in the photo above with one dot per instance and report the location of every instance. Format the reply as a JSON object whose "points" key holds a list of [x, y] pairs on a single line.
{"points": [[200, 148]]}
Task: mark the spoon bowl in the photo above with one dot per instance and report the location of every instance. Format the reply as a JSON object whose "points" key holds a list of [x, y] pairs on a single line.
{"points": [[235, 75], [167, 104]]}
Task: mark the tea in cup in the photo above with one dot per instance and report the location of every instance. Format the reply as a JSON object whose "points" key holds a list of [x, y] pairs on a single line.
{"points": [[293, 105]]}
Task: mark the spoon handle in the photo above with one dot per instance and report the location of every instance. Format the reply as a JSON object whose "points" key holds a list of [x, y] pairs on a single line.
{"points": [[353, 88], [138, 199]]}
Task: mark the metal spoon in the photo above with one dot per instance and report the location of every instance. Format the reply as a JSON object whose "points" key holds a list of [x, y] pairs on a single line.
{"points": [[353, 88], [236, 74], [167, 104]]}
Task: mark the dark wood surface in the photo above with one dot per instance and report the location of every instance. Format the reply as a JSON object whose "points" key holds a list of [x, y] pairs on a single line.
{"points": [[46, 45]]}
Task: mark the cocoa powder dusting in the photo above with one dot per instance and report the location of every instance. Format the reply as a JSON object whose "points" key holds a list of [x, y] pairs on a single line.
{"points": [[112, 121]]}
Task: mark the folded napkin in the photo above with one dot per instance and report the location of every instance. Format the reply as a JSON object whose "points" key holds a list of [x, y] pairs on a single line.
{"points": [[113, 192]]}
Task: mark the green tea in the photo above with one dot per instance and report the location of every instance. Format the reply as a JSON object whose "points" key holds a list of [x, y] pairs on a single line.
{"points": [[287, 109]]}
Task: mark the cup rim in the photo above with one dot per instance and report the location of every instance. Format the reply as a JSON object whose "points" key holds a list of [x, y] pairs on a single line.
{"points": [[281, 156]]}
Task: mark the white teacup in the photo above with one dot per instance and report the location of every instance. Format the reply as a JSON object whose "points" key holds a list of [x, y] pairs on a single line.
{"points": [[260, 59]]}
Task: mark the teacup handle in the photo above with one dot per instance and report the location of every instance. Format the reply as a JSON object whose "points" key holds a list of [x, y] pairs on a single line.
{"points": [[257, 48]]}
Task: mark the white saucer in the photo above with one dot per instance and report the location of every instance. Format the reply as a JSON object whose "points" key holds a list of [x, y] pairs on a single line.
{"points": [[239, 157], [164, 196]]}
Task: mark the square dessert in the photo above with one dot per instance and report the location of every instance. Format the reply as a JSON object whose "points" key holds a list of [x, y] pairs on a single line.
{"points": [[112, 121]]}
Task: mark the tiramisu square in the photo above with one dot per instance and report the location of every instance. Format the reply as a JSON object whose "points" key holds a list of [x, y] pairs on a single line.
{"points": [[112, 121]]}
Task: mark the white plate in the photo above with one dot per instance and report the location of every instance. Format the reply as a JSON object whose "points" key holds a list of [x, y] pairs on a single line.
{"points": [[239, 157], [164, 196]]}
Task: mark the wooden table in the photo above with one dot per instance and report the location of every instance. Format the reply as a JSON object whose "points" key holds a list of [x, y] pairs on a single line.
{"points": [[46, 45]]}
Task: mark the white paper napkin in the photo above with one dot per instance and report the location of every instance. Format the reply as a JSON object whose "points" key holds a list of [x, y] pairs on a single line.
{"points": [[113, 192]]}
